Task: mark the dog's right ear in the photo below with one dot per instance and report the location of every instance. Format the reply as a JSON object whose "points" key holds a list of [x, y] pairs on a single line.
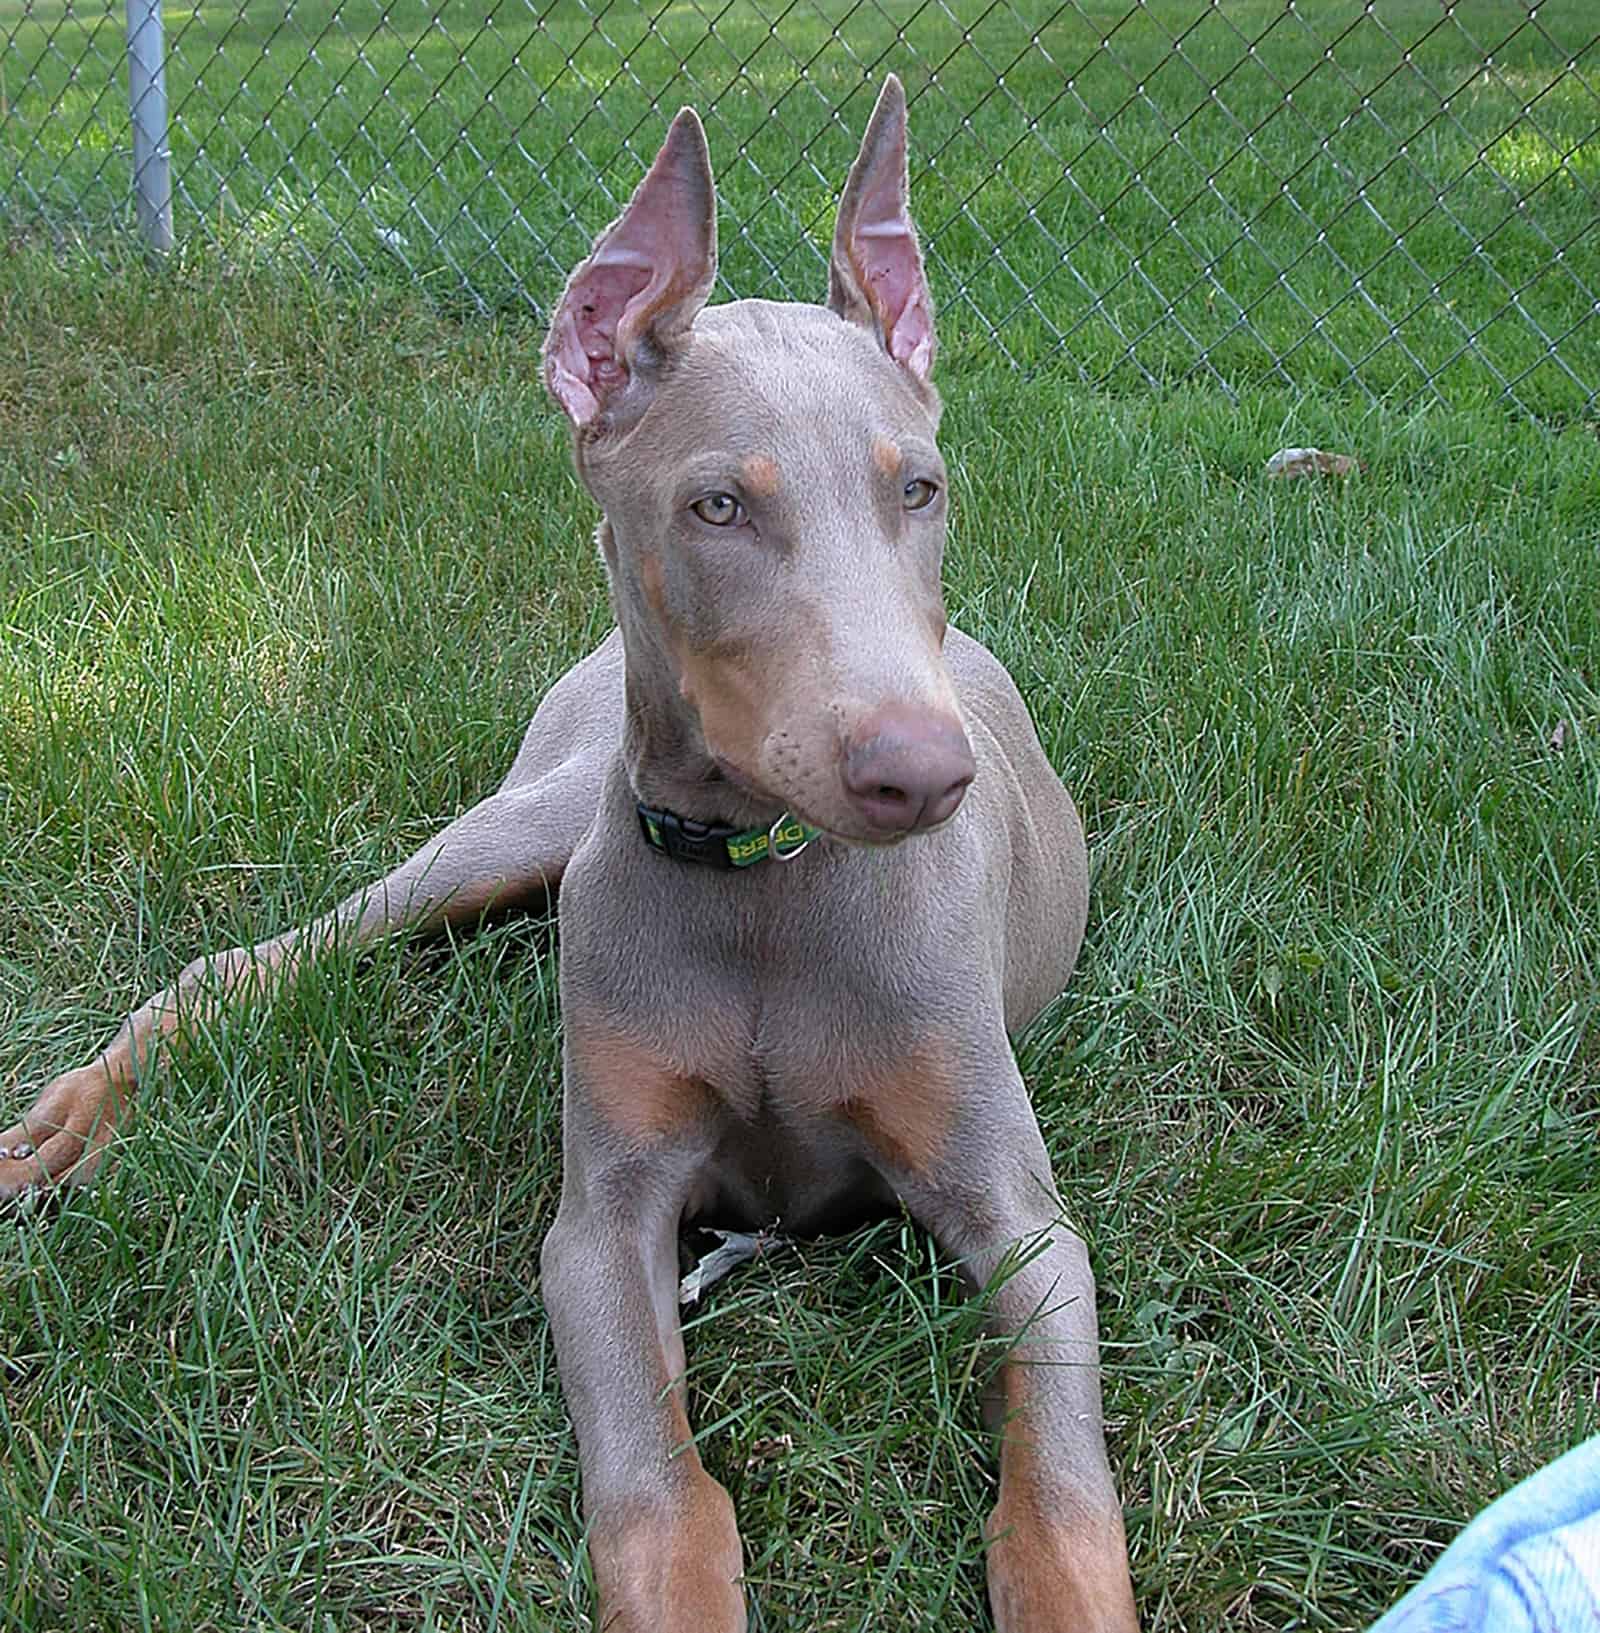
{"points": [[647, 277]]}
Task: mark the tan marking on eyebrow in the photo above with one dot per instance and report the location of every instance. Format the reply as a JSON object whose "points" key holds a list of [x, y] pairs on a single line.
{"points": [[886, 456], [761, 476]]}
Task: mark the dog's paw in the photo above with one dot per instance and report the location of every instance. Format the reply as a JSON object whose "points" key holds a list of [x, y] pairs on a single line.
{"points": [[671, 1565], [1051, 1574], [63, 1137]]}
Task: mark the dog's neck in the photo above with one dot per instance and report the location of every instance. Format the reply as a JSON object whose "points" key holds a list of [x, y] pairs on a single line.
{"points": [[668, 766], [663, 749]]}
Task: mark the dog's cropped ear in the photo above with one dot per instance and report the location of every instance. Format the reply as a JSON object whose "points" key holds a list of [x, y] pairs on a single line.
{"points": [[648, 275], [875, 277]]}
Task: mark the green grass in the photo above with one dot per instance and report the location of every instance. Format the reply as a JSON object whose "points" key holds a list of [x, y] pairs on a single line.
{"points": [[1092, 198], [284, 572]]}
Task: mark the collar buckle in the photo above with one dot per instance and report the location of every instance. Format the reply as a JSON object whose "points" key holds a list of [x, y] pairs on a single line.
{"points": [[685, 840]]}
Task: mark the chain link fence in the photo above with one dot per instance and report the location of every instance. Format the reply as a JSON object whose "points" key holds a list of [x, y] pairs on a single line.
{"points": [[1397, 198]]}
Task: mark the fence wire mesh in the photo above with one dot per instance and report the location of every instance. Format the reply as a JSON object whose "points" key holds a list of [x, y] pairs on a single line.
{"points": [[1396, 197]]}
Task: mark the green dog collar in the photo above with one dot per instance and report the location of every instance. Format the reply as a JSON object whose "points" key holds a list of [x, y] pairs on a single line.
{"points": [[719, 845]]}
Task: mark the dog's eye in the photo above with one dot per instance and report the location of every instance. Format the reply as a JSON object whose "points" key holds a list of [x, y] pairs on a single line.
{"points": [[919, 494], [719, 510]]}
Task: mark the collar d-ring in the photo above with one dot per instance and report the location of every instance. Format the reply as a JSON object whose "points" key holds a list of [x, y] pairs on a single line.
{"points": [[788, 830]]}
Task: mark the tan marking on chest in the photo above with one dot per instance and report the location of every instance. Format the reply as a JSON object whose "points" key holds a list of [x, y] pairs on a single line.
{"points": [[632, 1089], [761, 476], [906, 1111]]}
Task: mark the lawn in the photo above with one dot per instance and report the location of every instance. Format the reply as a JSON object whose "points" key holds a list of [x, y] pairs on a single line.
{"points": [[1173, 191], [285, 564], [285, 573]]}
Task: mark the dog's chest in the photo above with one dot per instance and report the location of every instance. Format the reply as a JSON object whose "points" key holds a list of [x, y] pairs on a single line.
{"points": [[781, 1002]]}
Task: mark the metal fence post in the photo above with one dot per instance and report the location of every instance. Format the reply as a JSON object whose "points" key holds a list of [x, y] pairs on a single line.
{"points": [[147, 106]]}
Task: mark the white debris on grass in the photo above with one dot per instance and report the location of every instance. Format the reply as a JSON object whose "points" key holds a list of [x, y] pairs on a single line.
{"points": [[737, 1246], [1310, 462]]}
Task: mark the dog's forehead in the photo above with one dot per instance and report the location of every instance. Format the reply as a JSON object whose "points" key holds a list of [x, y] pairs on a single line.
{"points": [[780, 376]]}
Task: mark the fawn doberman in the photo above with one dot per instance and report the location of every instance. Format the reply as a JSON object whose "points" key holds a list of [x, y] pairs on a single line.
{"points": [[814, 868]]}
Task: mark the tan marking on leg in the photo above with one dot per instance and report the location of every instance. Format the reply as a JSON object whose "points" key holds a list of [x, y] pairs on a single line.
{"points": [[906, 1111], [1064, 1569], [1055, 1559], [672, 1393], [78, 1114], [670, 1564], [200, 994], [66, 1131], [886, 456], [632, 1089], [761, 476]]}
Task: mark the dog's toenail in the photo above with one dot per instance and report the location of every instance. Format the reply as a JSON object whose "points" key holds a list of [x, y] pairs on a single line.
{"points": [[21, 1152]]}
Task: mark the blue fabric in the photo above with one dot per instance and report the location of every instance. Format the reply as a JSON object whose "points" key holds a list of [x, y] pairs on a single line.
{"points": [[1529, 1563]]}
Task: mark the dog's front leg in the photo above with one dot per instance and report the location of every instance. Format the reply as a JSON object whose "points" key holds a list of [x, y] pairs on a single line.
{"points": [[1058, 1560], [509, 848], [662, 1538]]}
